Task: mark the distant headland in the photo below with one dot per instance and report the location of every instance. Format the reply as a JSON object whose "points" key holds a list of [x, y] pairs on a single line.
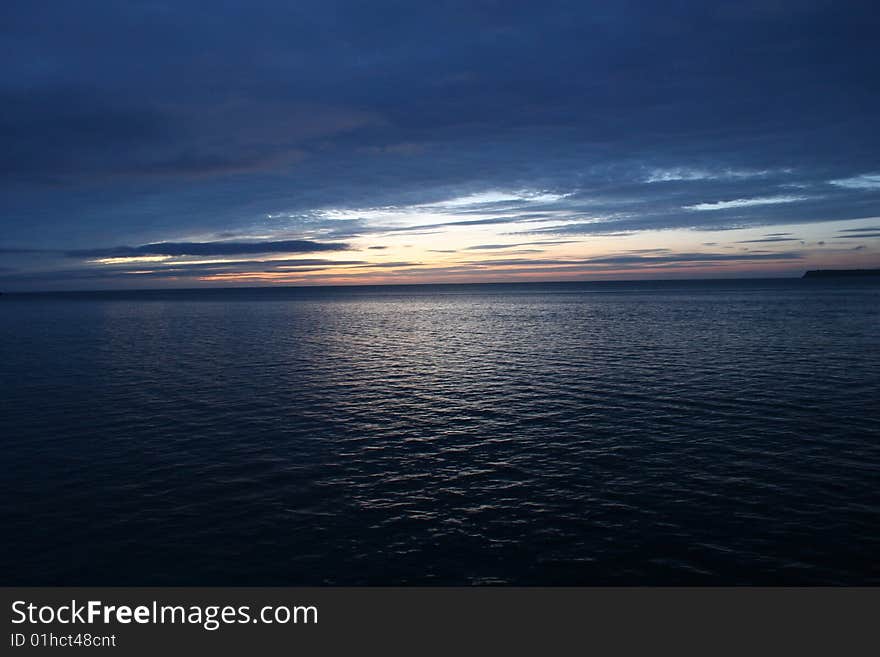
{"points": [[841, 273]]}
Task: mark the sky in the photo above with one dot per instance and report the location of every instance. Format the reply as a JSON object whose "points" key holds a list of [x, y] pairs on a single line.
{"points": [[189, 144]]}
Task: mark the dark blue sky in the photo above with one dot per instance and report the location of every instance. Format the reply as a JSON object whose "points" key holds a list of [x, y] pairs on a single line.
{"points": [[191, 143]]}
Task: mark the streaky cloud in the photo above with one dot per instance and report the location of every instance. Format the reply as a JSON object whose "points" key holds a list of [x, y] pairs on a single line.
{"points": [[208, 249], [646, 259], [769, 239], [870, 181], [677, 174], [856, 236], [743, 203]]}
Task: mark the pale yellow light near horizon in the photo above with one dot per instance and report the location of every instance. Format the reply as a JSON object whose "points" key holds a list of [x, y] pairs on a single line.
{"points": [[429, 243]]}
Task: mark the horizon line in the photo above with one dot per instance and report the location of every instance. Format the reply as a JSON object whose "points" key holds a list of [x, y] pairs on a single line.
{"points": [[364, 285]]}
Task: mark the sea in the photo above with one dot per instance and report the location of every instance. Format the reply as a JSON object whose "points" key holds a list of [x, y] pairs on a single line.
{"points": [[610, 433]]}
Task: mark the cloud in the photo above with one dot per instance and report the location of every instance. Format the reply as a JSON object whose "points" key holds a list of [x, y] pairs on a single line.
{"points": [[78, 134], [498, 199], [489, 221], [491, 247], [864, 232], [207, 249], [743, 203], [189, 270], [382, 265], [678, 174], [868, 181], [636, 259], [770, 239], [16, 251], [251, 264]]}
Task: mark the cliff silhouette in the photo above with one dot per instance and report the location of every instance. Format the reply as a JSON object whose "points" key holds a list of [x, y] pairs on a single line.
{"points": [[841, 273]]}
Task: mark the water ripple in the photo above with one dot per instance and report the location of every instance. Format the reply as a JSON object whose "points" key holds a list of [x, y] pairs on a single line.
{"points": [[686, 434]]}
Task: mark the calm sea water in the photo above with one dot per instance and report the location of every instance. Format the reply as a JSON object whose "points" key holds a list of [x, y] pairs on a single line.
{"points": [[629, 433]]}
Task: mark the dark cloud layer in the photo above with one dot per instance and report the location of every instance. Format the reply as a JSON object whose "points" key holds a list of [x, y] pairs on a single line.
{"points": [[769, 239], [635, 259], [207, 249]]}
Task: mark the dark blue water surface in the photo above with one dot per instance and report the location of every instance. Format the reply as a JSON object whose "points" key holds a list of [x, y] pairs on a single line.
{"points": [[629, 433]]}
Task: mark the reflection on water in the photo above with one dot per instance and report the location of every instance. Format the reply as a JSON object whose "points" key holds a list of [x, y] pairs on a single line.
{"points": [[551, 434]]}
